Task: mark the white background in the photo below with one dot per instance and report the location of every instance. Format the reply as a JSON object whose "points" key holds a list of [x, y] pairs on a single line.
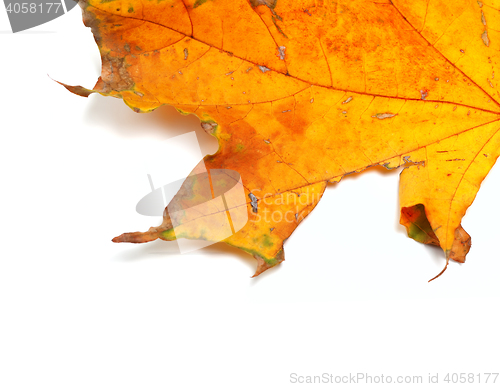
{"points": [[79, 310]]}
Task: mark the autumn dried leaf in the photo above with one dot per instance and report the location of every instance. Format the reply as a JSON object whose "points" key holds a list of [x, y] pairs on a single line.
{"points": [[301, 93]]}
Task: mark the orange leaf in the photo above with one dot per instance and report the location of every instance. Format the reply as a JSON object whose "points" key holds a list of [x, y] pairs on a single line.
{"points": [[300, 93]]}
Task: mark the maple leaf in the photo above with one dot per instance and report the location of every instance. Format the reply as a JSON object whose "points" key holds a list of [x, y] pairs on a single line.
{"points": [[302, 93]]}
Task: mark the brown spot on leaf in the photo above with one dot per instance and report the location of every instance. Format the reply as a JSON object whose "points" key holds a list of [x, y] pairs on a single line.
{"points": [[268, 3], [114, 75], [209, 127], [281, 52], [383, 116], [485, 38]]}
